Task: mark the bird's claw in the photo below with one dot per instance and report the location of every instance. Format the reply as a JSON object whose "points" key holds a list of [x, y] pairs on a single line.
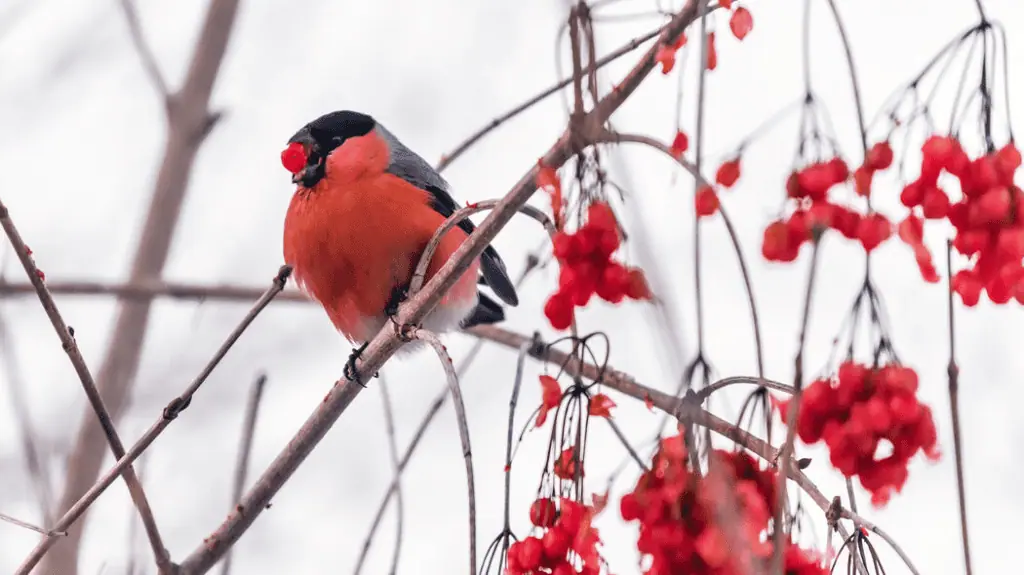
{"points": [[350, 366]]}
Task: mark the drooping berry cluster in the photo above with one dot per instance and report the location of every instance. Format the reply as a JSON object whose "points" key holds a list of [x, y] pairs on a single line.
{"points": [[567, 540], [860, 409], [809, 189], [681, 516], [989, 218], [587, 268]]}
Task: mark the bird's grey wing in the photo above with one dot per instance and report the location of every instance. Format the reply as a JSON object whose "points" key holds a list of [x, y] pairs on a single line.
{"points": [[409, 166]]}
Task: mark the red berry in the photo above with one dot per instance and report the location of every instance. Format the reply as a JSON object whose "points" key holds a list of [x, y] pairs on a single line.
{"points": [[556, 543], [879, 156], [706, 201], [728, 173], [558, 310], [293, 158], [542, 512]]}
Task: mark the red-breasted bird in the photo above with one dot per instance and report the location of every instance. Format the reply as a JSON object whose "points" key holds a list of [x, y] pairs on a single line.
{"points": [[363, 212]]}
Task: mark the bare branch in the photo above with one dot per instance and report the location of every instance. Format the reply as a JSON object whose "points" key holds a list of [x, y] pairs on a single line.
{"points": [[245, 449], [145, 52], [188, 124], [169, 414], [460, 417], [67, 338], [148, 289]]}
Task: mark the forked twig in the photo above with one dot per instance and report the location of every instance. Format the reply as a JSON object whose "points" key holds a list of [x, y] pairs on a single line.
{"points": [[169, 414], [67, 339]]}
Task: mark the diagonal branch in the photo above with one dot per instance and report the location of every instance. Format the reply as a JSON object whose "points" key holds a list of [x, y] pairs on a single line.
{"points": [[389, 422], [67, 339], [245, 449], [188, 123], [171, 412]]}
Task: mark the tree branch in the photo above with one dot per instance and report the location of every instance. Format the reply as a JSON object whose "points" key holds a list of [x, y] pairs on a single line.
{"points": [[170, 412], [66, 334], [381, 347], [188, 124], [460, 417]]}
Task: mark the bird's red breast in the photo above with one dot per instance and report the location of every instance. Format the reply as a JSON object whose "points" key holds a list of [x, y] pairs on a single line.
{"points": [[359, 232]]}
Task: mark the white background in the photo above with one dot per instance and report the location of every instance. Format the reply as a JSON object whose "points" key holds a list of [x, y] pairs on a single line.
{"points": [[81, 132]]}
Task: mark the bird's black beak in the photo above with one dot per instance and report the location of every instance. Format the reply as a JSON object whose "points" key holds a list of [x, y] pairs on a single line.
{"points": [[298, 176]]}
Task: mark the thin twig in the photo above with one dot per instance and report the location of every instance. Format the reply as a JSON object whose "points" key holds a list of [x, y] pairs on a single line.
{"points": [[460, 417], [144, 50], [188, 121], [447, 159], [792, 411], [169, 414], [67, 339], [428, 418], [616, 137], [29, 526], [245, 449], [149, 289], [953, 374], [389, 423]]}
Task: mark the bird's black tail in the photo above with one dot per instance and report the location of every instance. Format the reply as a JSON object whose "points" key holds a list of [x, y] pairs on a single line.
{"points": [[487, 311]]}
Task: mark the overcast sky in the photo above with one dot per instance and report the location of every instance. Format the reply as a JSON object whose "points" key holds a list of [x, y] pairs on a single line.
{"points": [[82, 133]]}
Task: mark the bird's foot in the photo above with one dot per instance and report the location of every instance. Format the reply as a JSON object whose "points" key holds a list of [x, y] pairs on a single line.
{"points": [[350, 366]]}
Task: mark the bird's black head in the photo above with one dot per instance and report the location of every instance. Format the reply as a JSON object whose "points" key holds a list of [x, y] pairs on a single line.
{"points": [[307, 150]]}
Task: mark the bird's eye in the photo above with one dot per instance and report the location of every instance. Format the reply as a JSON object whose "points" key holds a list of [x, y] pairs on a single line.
{"points": [[293, 158]]}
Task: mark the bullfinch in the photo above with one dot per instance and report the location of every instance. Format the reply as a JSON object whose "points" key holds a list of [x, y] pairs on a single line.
{"points": [[364, 209]]}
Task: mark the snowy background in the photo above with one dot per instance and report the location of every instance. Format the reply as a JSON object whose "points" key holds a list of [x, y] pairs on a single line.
{"points": [[81, 133]]}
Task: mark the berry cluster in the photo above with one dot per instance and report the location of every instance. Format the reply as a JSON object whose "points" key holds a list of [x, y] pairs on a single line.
{"points": [[587, 268], [809, 188], [854, 414], [989, 219], [680, 515], [566, 538]]}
